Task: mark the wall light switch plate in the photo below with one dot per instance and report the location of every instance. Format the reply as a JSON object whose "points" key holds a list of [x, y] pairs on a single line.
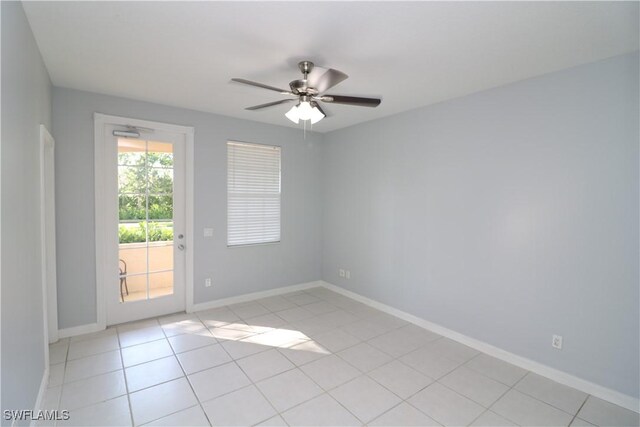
{"points": [[208, 232], [207, 282], [347, 274], [341, 272]]}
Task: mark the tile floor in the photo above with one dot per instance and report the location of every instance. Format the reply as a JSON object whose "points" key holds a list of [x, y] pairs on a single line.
{"points": [[307, 358]]}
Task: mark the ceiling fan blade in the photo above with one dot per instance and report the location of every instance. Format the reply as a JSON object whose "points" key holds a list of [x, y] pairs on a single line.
{"points": [[317, 105], [322, 79], [269, 104], [351, 100], [263, 86]]}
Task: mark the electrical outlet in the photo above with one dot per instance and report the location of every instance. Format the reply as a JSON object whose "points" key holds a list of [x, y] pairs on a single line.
{"points": [[208, 232], [207, 282], [347, 274], [341, 271], [557, 342]]}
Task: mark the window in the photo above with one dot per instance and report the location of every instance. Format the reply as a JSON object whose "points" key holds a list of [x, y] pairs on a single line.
{"points": [[253, 193]]}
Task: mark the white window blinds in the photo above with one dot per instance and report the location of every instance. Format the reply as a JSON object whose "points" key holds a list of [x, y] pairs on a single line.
{"points": [[253, 193]]}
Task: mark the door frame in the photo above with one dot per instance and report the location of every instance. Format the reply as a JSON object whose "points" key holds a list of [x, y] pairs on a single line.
{"points": [[101, 229], [48, 238]]}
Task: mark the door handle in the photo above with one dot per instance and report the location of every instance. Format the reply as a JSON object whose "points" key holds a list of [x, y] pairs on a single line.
{"points": [[181, 247]]}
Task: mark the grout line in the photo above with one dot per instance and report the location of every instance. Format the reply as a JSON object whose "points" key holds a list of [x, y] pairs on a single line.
{"points": [[493, 403], [186, 377], [491, 378], [425, 413], [280, 414], [59, 400], [499, 398], [402, 401], [361, 373], [547, 403], [94, 375], [175, 356], [481, 414], [579, 409], [520, 380], [66, 356], [324, 391], [252, 384], [98, 402], [126, 382], [397, 358], [347, 409]]}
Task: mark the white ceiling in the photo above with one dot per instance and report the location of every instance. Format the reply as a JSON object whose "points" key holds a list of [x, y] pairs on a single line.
{"points": [[409, 53]]}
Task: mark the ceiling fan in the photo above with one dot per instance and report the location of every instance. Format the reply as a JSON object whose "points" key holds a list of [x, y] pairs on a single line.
{"points": [[309, 91]]}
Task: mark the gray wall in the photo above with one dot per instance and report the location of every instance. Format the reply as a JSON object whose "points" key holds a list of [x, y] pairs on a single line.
{"points": [[234, 271], [26, 103], [508, 215]]}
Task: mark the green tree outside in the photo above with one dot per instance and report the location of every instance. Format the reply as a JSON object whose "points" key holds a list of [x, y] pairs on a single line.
{"points": [[145, 178]]}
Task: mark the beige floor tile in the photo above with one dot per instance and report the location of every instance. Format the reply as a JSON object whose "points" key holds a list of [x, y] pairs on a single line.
{"points": [[365, 398], [243, 407], [526, 410], [603, 413], [161, 400], [446, 406], [475, 386], [289, 389], [403, 415], [320, 411]]}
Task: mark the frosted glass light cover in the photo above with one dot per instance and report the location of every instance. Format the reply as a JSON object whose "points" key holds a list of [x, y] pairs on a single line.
{"points": [[293, 115], [316, 115], [304, 111]]}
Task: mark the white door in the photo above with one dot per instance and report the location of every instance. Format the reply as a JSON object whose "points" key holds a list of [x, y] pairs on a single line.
{"points": [[145, 209]]}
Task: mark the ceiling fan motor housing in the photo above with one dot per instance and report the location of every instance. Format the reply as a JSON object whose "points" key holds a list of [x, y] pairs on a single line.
{"points": [[301, 87]]}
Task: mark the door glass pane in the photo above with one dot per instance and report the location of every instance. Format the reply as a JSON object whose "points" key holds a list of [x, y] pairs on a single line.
{"points": [[145, 230], [131, 152], [133, 258], [160, 181], [161, 208], [132, 211], [160, 256], [160, 284], [160, 155], [133, 287], [132, 179]]}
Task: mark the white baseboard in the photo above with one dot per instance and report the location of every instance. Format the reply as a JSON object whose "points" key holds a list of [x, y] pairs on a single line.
{"points": [[96, 327], [561, 377], [255, 295], [79, 330], [41, 392]]}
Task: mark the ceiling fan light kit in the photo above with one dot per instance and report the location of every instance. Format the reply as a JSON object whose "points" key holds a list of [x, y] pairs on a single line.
{"points": [[305, 110], [316, 115], [309, 91], [293, 115]]}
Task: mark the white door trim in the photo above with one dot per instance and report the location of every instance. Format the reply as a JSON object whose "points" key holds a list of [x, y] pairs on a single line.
{"points": [[48, 239], [100, 121]]}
